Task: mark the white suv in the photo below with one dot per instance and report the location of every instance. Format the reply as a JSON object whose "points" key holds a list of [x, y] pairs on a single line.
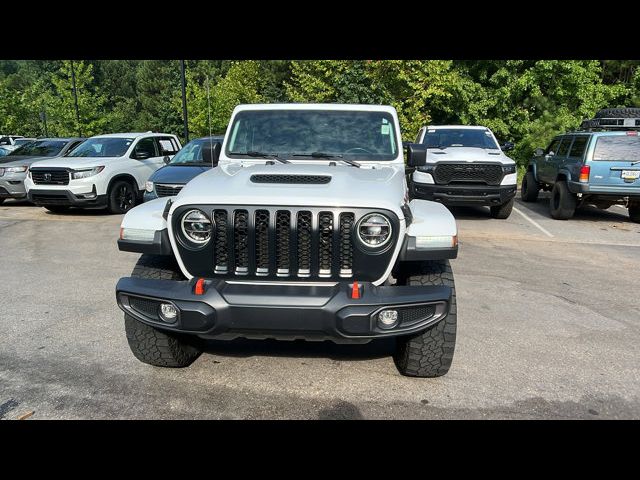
{"points": [[104, 171]]}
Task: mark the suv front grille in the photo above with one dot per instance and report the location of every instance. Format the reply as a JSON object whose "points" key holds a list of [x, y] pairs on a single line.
{"points": [[165, 190], [282, 243], [446, 173], [50, 177]]}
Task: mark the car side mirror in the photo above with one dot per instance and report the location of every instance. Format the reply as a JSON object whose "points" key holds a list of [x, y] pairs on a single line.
{"points": [[507, 146], [538, 152], [142, 155], [416, 155], [166, 159]]}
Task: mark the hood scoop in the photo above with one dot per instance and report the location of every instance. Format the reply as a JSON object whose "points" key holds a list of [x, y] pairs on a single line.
{"points": [[291, 179]]}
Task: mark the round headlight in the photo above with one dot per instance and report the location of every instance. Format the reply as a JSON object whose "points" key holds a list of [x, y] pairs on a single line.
{"points": [[374, 230], [196, 227]]}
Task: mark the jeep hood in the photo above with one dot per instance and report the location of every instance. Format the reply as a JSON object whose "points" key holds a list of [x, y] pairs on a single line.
{"points": [[231, 184], [466, 154]]}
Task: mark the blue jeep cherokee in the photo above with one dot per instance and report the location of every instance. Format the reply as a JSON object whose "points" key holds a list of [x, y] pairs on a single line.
{"points": [[597, 165]]}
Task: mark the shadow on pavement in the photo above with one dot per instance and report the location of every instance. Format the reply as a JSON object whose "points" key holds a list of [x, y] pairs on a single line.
{"points": [[587, 212], [379, 348]]}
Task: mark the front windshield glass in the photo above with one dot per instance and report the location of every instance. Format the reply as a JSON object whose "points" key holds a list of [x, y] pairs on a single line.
{"points": [[308, 134], [459, 137], [191, 153], [40, 148], [102, 147]]}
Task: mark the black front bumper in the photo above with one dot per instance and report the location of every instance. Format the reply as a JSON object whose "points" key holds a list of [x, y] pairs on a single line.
{"points": [[313, 312], [65, 198], [467, 194]]}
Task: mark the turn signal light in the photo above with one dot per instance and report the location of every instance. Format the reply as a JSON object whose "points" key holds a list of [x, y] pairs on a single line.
{"points": [[199, 290], [584, 173], [355, 290]]}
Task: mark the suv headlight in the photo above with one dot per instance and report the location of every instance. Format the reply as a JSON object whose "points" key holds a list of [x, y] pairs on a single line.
{"points": [[196, 227], [22, 168], [148, 186], [509, 169], [374, 230], [86, 172]]}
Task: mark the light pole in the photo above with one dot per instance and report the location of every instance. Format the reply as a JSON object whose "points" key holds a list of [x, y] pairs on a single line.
{"points": [[75, 98], [184, 102]]}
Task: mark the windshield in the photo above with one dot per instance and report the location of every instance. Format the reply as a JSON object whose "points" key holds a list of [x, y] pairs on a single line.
{"points": [[102, 147], [40, 148], [618, 147], [459, 137], [191, 153], [300, 133]]}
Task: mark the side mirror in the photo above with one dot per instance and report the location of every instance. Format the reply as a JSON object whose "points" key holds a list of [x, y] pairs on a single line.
{"points": [[538, 152], [142, 155], [507, 146], [416, 155], [166, 159]]}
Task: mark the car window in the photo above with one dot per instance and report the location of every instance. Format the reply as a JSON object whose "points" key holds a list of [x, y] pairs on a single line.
{"points": [[617, 148], [40, 148], [459, 137], [102, 147], [564, 146], [579, 146], [147, 145], [167, 146], [73, 145], [553, 147]]}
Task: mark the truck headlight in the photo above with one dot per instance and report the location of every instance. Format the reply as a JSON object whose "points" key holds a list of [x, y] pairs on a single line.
{"points": [[196, 227], [148, 186], [507, 169], [86, 172], [374, 230]]}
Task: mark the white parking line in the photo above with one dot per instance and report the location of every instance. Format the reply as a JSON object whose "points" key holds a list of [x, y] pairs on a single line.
{"points": [[534, 223]]}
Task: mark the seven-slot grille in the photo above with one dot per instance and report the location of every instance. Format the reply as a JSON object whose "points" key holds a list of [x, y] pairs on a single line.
{"points": [[282, 243], [50, 177], [445, 173], [167, 190]]}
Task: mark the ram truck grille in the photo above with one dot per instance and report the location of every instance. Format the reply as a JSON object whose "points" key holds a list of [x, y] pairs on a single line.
{"points": [[489, 174], [285, 244]]}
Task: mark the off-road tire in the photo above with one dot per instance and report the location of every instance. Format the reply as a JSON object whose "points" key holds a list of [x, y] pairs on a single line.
{"points": [[618, 113], [562, 204], [57, 208], [634, 212], [151, 345], [430, 352], [529, 189], [502, 211], [122, 196]]}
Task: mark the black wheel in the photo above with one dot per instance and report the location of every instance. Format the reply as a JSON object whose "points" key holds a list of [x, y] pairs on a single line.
{"points": [[2, 200], [529, 190], [430, 352], [634, 212], [618, 113], [503, 211], [122, 197], [151, 345], [562, 204], [57, 208]]}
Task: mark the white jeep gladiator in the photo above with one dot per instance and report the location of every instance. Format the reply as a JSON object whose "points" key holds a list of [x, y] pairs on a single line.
{"points": [[304, 231]]}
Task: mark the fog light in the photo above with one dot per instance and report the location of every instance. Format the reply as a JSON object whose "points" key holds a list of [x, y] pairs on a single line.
{"points": [[388, 318], [168, 312]]}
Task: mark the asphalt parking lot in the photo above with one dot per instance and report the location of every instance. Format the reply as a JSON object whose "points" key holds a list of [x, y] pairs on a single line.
{"points": [[548, 312]]}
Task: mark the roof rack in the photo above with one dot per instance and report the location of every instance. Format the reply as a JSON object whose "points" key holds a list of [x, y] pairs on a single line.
{"points": [[610, 124]]}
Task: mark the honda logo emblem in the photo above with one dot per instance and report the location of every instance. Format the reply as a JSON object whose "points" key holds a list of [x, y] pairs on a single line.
{"points": [[47, 177]]}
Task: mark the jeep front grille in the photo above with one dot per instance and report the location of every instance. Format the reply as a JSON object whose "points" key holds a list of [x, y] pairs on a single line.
{"points": [[50, 177], [489, 174], [281, 243]]}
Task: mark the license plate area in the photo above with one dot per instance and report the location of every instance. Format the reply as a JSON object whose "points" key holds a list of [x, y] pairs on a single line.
{"points": [[630, 175]]}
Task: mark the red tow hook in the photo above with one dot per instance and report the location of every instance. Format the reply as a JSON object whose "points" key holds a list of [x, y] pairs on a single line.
{"points": [[355, 290], [199, 289]]}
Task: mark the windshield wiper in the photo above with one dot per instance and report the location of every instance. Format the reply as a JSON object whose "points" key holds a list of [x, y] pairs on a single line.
{"points": [[253, 153], [327, 155]]}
